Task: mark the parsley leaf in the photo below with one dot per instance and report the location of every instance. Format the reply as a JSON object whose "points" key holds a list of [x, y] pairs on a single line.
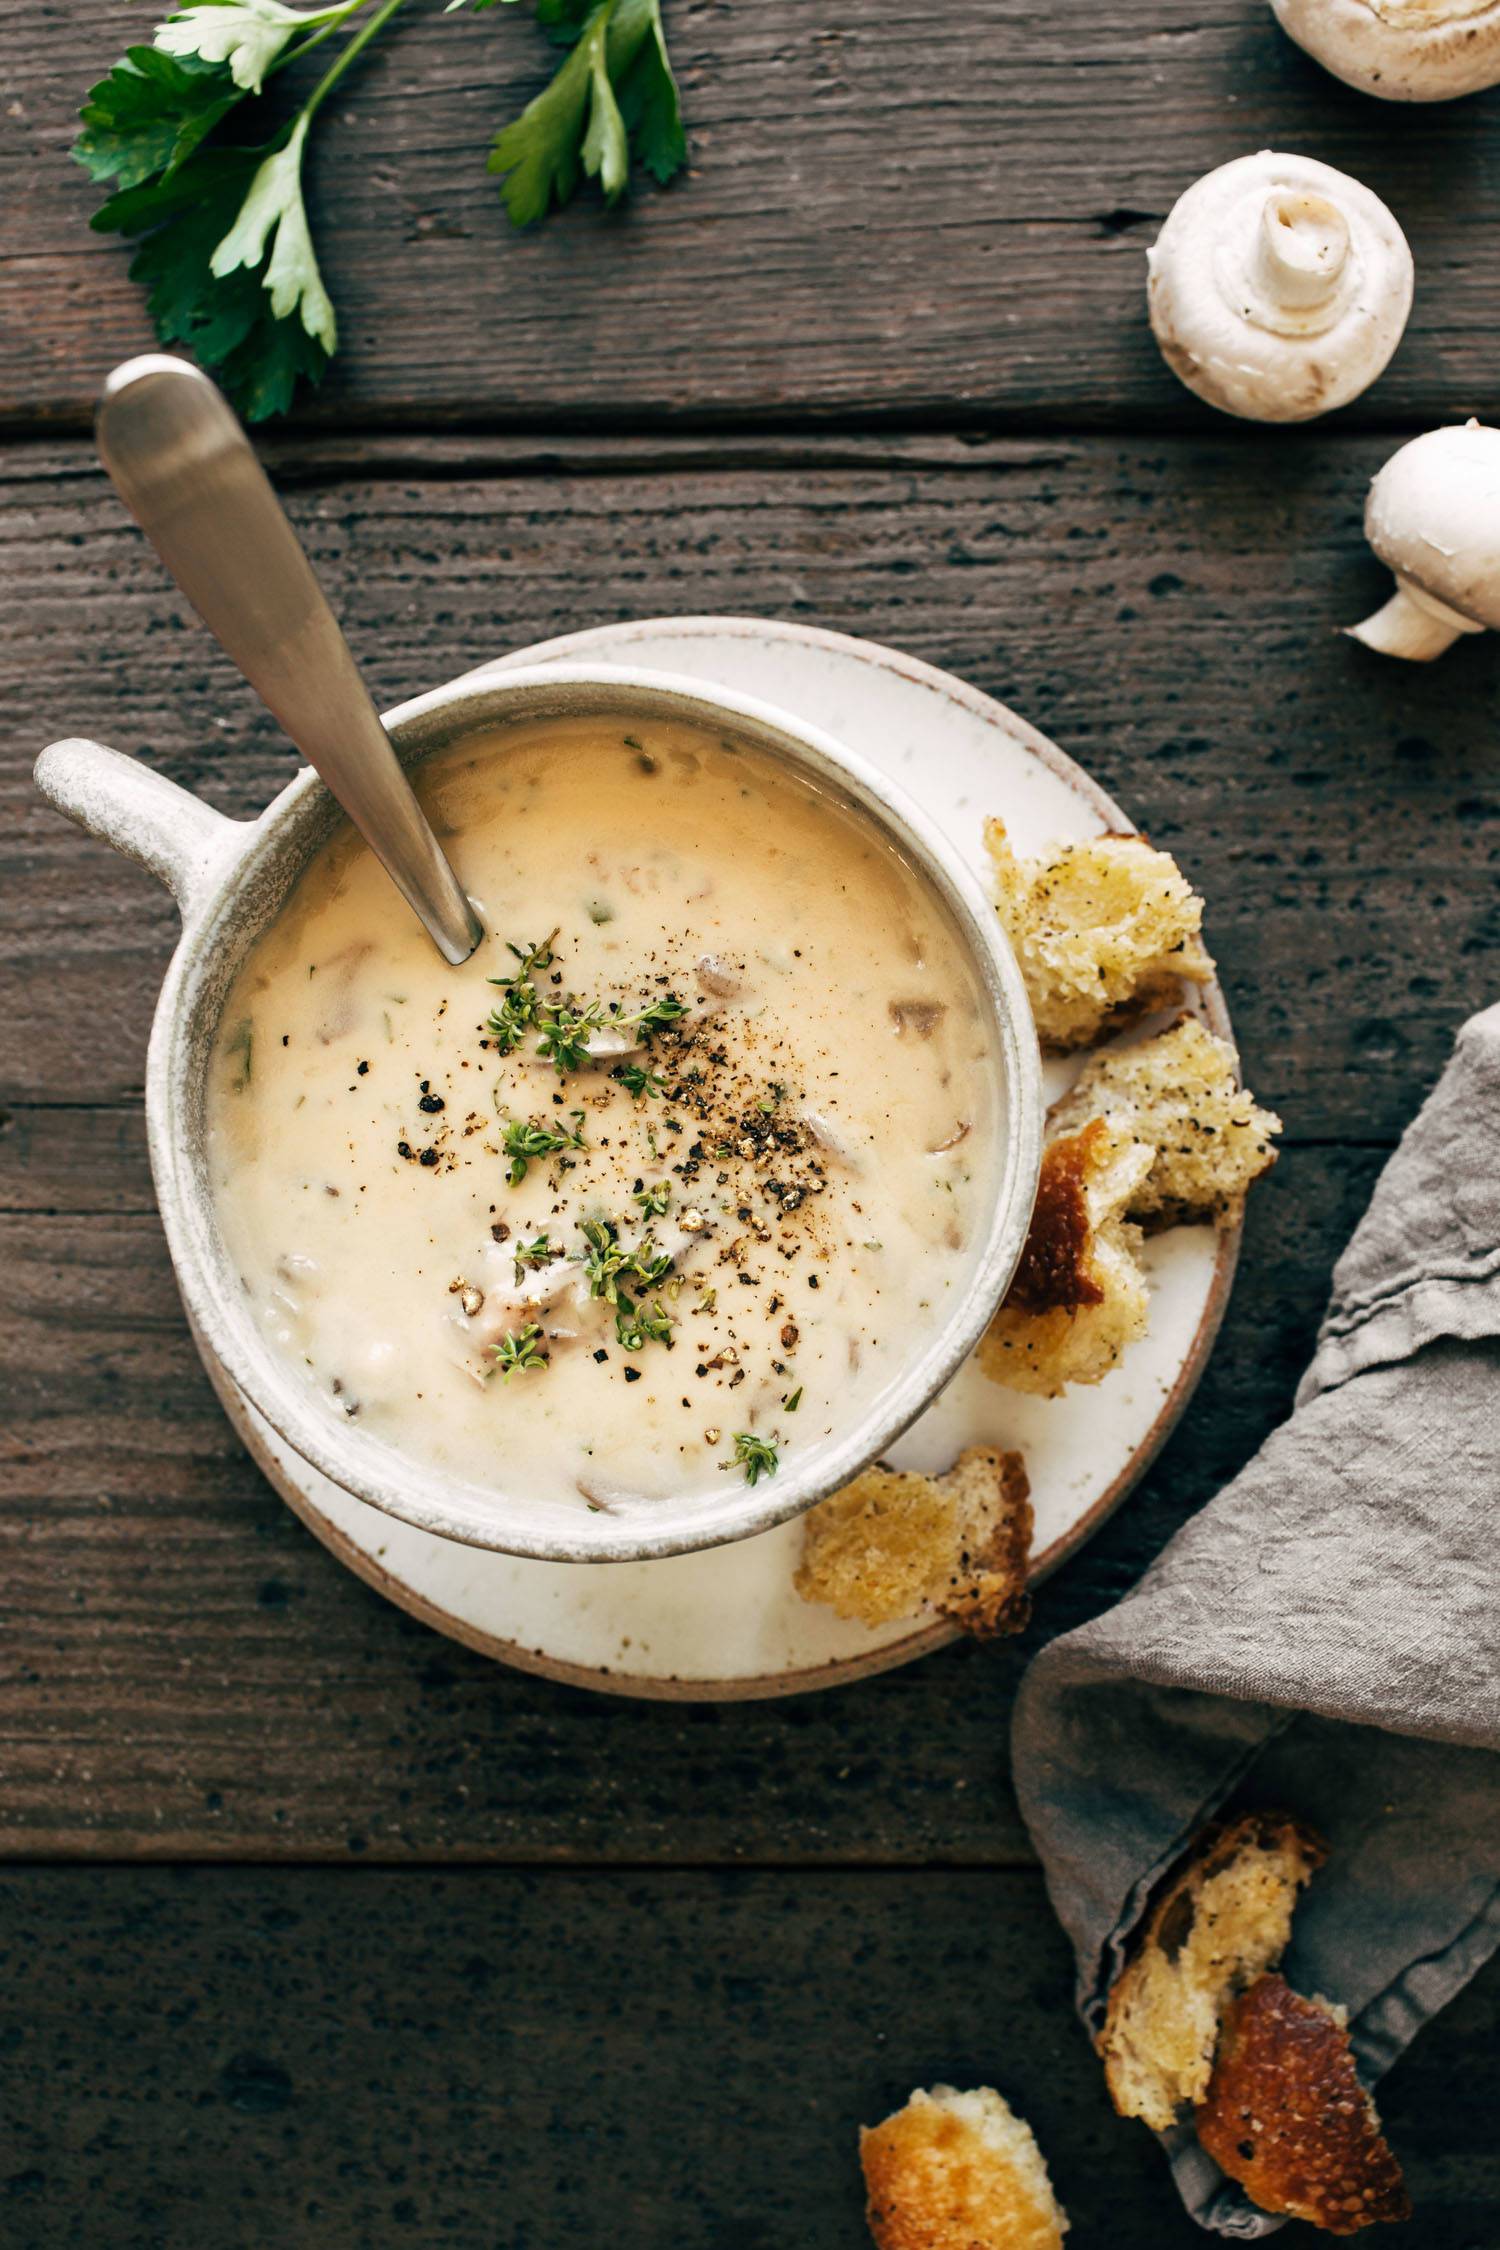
{"points": [[614, 97], [214, 198]]}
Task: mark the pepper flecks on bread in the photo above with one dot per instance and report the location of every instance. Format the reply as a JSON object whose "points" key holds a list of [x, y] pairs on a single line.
{"points": [[958, 2171], [1103, 932], [1078, 1296], [893, 1543], [1179, 1092], [1286, 2115], [1222, 1918]]}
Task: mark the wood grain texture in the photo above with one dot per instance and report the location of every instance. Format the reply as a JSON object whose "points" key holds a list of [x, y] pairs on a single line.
{"points": [[901, 212], [1165, 609], [190, 1675], [214, 2059]]}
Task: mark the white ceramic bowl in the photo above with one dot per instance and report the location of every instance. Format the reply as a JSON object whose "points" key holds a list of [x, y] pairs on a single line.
{"points": [[230, 879]]}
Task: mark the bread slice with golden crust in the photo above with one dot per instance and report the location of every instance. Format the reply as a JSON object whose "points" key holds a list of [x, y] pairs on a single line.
{"points": [[1179, 1092], [957, 2171], [1286, 2115], [1078, 1296], [1221, 1919], [894, 1543], [1103, 932]]}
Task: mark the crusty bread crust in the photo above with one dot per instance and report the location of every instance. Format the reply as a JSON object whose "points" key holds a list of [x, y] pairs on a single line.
{"points": [[1104, 932], [1078, 1296], [958, 2172], [1220, 1918], [1179, 1093], [1286, 2115], [894, 1543]]}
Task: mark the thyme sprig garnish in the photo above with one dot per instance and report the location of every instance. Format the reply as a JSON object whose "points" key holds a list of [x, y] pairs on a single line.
{"points": [[563, 1034], [757, 1456], [538, 1252], [565, 1026], [636, 1325], [653, 1201], [604, 1260], [517, 1012], [526, 1138], [656, 1013], [638, 1081], [519, 1352]]}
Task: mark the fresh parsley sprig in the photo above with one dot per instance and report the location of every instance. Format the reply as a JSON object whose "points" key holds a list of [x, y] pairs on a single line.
{"points": [[615, 97], [206, 177]]}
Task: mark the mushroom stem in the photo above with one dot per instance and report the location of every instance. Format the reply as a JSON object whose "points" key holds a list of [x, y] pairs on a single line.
{"points": [[1302, 247], [1412, 624]]}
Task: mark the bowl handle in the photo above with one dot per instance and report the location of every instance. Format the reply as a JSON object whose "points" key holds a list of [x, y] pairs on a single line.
{"points": [[150, 819]]}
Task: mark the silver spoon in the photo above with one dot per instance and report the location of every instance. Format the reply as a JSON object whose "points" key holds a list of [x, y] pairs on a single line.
{"points": [[186, 471]]}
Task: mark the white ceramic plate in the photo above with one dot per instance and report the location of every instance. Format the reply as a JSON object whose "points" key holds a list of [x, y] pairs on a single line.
{"points": [[727, 1623]]}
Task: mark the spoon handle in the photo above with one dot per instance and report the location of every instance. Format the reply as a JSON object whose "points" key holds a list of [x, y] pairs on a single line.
{"points": [[186, 471]]}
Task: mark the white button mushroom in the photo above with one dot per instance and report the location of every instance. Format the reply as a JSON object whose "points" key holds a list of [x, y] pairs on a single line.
{"points": [[1433, 516], [1278, 287], [1401, 50]]}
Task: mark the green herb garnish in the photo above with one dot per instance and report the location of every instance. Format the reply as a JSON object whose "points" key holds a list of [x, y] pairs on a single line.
{"points": [[755, 1455], [791, 1404], [636, 1326], [654, 1200], [538, 1252], [518, 1353], [517, 1012], [604, 1259], [563, 1034], [650, 1265], [638, 1081], [656, 1013], [528, 1139]]}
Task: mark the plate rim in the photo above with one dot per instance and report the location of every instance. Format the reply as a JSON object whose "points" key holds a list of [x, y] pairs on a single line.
{"points": [[927, 1638]]}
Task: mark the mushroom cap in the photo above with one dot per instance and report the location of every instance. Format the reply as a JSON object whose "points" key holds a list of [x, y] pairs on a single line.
{"points": [[1279, 287], [1400, 50], [1433, 516]]}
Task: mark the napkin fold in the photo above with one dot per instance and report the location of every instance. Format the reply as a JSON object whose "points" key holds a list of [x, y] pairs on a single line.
{"points": [[1325, 1636]]}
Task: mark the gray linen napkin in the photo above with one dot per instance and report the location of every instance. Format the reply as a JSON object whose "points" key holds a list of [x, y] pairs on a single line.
{"points": [[1325, 1635]]}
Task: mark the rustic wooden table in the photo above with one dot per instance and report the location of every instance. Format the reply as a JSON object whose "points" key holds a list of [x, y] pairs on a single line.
{"points": [[316, 1929]]}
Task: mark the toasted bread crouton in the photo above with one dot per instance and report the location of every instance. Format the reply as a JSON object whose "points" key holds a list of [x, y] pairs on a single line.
{"points": [[1286, 2115], [1078, 1296], [1104, 932], [958, 2171], [1180, 1093], [893, 1544], [1222, 1919]]}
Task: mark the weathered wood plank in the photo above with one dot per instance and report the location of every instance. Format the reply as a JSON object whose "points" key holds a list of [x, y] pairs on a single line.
{"points": [[912, 212], [351, 2059], [188, 1674], [1165, 609]]}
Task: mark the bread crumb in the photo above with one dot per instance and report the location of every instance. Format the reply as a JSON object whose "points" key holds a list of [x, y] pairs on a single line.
{"points": [[1222, 1919], [1078, 1296], [1179, 1092], [1103, 932], [893, 1544], [1286, 2115], [957, 2171]]}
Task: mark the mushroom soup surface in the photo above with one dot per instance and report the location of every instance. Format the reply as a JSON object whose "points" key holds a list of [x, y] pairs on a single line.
{"points": [[670, 1178]]}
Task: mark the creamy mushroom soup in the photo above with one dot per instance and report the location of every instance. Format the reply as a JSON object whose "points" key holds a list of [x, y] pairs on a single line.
{"points": [[669, 1180]]}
